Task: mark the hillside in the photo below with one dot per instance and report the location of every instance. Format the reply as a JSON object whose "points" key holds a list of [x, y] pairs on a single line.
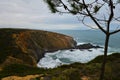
{"points": [[21, 49], [76, 71], [27, 47]]}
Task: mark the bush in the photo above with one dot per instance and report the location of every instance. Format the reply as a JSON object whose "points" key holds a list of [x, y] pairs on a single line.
{"points": [[20, 70]]}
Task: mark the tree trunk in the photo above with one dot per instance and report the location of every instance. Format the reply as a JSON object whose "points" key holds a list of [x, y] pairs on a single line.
{"points": [[104, 57]]}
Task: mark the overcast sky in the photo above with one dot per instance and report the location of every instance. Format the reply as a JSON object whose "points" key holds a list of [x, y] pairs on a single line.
{"points": [[34, 14]]}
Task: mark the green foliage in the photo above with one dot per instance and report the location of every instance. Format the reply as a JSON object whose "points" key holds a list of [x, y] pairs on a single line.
{"points": [[69, 72], [66, 72], [37, 78], [20, 70], [114, 56], [51, 5], [96, 8], [75, 7], [6, 43], [73, 12], [81, 7]]}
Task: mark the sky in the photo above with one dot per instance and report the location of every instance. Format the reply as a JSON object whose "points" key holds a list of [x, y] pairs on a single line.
{"points": [[34, 14]]}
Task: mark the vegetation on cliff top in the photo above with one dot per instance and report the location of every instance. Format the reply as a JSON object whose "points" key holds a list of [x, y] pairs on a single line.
{"points": [[76, 71], [17, 45], [28, 46]]}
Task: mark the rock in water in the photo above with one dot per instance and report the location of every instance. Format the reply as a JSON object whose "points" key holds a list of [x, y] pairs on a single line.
{"points": [[28, 46], [87, 46]]}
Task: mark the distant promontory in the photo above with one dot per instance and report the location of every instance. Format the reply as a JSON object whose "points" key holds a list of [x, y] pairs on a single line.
{"points": [[27, 47]]}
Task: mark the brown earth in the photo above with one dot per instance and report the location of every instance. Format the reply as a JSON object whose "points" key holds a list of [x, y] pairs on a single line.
{"points": [[28, 77], [28, 46]]}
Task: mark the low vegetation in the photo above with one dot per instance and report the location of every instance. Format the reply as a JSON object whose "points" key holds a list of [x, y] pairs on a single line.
{"points": [[28, 46], [76, 71], [14, 57]]}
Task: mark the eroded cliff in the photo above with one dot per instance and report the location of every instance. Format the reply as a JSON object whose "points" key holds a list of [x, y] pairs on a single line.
{"points": [[28, 46]]}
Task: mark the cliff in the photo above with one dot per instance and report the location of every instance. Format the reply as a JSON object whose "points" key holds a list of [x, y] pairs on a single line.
{"points": [[28, 46]]}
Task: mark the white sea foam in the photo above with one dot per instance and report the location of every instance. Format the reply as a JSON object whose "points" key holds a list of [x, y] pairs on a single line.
{"points": [[80, 43], [52, 60]]}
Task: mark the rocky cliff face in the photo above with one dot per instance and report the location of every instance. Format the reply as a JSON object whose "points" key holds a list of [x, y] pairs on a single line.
{"points": [[28, 46]]}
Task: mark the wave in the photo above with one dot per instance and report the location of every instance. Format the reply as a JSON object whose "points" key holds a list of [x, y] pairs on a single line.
{"points": [[60, 57], [80, 43]]}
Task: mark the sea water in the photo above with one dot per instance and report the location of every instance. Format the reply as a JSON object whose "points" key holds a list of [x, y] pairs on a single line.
{"points": [[95, 37]]}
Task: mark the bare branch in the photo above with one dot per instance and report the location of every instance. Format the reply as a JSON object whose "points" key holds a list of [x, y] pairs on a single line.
{"points": [[116, 31], [117, 19], [111, 14], [66, 8], [82, 20], [103, 20], [93, 18]]}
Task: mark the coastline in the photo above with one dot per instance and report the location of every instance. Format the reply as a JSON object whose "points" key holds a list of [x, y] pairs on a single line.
{"points": [[20, 60]]}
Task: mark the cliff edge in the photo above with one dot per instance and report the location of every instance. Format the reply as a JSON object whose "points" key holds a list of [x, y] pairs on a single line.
{"points": [[28, 46]]}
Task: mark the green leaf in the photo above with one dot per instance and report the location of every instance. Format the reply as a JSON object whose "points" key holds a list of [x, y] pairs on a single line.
{"points": [[75, 7], [52, 6], [96, 8], [73, 12], [81, 7]]}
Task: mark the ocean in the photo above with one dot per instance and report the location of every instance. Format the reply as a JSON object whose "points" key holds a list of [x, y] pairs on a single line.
{"points": [[95, 37]]}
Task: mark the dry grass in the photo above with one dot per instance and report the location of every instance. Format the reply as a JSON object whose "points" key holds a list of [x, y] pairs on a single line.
{"points": [[28, 77]]}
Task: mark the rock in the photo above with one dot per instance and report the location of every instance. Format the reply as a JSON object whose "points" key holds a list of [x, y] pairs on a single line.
{"points": [[71, 50], [87, 46], [28, 46]]}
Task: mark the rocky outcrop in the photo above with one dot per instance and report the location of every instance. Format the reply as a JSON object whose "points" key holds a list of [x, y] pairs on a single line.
{"points": [[28, 46], [87, 46]]}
